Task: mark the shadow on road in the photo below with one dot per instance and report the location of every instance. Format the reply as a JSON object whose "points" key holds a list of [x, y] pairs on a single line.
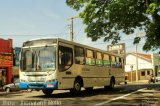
{"points": [[122, 89]]}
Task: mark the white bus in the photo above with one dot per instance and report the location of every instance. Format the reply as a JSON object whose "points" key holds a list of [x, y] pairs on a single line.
{"points": [[52, 63]]}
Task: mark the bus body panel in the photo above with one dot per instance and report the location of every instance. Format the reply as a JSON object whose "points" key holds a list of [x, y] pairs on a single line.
{"points": [[92, 75]]}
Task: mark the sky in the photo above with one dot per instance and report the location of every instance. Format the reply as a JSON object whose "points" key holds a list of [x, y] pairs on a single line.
{"points": [[22, 20]]}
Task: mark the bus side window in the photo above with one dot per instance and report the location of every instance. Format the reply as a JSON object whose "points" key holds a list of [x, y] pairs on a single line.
{"points": [[65, 58], [90, 60], [79, 55], [99, 58], [106, 60], [113, 61], [119, 62]]}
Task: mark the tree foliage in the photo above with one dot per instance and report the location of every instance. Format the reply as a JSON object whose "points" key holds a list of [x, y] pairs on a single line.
{"points": [[107, 18]]}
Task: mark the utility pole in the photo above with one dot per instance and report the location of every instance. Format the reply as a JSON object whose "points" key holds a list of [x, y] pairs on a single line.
{"points": [[131, 71], [137, 35], [71, 27], [136, 62]]}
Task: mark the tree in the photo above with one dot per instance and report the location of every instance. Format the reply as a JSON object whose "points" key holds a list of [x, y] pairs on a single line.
{"points": [[107, 18]]}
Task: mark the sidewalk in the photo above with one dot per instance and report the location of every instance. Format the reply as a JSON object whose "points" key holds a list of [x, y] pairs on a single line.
{"points": [[137, 82]]}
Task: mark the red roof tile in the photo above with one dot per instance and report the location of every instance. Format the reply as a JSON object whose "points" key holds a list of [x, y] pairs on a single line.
{"points": [[146, 56]]}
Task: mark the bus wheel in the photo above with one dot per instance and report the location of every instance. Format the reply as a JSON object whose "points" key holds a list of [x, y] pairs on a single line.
{"points": [[47, 91], [77, 87], [112, 83]]}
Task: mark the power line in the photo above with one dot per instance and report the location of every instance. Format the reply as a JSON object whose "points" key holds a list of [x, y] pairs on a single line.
{"points": [[79, 31]]}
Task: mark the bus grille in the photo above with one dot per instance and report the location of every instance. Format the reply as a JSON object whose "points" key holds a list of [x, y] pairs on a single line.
{"points": [[35, 85]]}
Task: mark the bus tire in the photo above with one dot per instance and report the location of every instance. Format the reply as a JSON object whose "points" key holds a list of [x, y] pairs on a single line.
{"points": [[47, 91], [76, 87], [112, 83]]}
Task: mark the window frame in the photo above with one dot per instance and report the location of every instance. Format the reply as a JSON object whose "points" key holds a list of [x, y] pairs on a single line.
{"points": [[109, 60], [113, 63], [62, 68], [75, 47], [92, 58], [96, 55]]}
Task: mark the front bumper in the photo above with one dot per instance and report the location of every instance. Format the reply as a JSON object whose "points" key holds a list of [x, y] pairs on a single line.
{"points": [[39, 85]]}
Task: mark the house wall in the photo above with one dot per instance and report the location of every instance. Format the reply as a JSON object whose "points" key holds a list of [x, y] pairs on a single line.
{"points": [[145, 68], [142, 63], [142, 75], [156, 63]]}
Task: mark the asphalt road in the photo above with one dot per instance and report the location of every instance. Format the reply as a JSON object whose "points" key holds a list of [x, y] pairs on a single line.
{"points": [[123, 95]]}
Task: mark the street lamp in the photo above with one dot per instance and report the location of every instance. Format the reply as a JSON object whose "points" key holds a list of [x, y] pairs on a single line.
{"points": [[136, 64]]}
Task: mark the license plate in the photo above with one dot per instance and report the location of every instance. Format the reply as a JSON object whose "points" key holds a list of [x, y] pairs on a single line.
{"points": [[50, 85]]}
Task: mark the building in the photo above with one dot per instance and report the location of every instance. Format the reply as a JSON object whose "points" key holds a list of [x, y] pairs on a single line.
{"points": [[147, 64], [6, 61], [119, 49]]}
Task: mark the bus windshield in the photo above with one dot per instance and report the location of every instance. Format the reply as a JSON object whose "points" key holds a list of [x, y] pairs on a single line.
{"points": [[38, 58]]}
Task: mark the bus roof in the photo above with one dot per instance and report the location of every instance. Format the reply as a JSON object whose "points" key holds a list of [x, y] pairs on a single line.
{"points": [[69, 42]]}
